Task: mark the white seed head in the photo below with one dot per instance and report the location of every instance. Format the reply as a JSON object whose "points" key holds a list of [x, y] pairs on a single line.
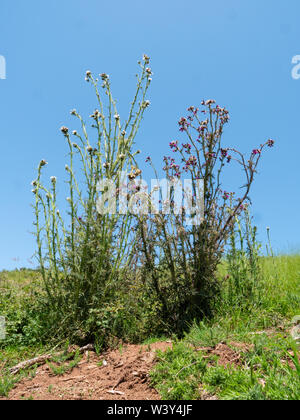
{"points": [[43, 162], [210, 102], [64, 130]]}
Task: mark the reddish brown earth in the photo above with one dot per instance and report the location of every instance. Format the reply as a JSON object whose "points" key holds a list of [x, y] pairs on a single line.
{"points": [[121, 374]]}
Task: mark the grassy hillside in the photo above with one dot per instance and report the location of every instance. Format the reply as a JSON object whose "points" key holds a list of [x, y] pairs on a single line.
{"points": [[265, 365]]}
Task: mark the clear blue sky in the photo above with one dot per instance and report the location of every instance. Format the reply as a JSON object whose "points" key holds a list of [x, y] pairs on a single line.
{"points": [[238, 52]]}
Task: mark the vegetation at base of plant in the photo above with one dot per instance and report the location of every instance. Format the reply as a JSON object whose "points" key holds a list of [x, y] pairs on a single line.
{"points": [[269, 368], [9, 357], [269, 371], [267, 326], [61, 367]]}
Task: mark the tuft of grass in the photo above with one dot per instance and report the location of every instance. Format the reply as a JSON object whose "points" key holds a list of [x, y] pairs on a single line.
{"points": [[270, 368], [268, 371]]}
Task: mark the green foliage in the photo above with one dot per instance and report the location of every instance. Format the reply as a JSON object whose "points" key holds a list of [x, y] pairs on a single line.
{"points": [[268, 371], [265, 373], [177, 374], [10, 356], [243, 280], [61, 367]]}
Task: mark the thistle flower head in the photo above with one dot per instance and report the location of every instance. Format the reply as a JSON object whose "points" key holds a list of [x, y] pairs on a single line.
{"points": [[43, 162], [64, 130], [146, 58], [210, 102], [53, 179], [97, 113]]}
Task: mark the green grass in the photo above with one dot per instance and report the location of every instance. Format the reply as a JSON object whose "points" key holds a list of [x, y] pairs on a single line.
{"points": [[268, 369], [17, 289]]}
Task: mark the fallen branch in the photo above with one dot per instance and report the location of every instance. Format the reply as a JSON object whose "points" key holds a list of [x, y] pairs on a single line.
{"points": [[40, 360]]}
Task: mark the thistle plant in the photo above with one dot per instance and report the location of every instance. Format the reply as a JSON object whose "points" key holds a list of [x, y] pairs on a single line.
{"points": [[180, 260], [83, 256]]}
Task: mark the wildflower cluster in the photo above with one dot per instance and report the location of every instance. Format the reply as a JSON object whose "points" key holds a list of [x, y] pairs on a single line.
{"points": [[191, 254]]}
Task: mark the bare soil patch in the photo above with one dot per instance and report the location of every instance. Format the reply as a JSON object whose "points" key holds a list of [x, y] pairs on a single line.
{"points": [[121, 374]]}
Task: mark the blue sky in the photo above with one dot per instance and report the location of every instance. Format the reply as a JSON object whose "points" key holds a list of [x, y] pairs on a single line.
{"points": [[237, 52]]}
